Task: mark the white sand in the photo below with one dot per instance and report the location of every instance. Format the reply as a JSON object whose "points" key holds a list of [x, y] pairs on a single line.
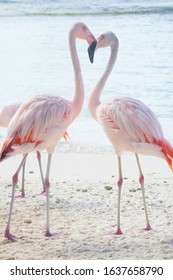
{"points": [[84, 209]]}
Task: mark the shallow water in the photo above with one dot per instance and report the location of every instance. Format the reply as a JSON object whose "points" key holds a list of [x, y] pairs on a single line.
{"points": [[35, 58]]}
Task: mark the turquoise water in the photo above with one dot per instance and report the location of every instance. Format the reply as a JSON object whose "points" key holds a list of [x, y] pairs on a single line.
{"points": [[85, 7], [34, 57]]}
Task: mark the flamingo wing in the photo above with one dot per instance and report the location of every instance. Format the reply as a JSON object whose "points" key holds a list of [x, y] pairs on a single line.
{"points": [[132, 117], [43, 119], [137, 123]]}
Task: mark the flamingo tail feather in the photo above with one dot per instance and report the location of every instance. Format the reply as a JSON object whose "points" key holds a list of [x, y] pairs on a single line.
{"points": [[6, 148], [167, 149]]}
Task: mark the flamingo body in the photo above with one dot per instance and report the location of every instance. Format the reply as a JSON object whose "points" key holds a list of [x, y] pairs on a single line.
{"points": [[46, 119], [41, 122], [7, 112], [131, 126], [128, 123]]}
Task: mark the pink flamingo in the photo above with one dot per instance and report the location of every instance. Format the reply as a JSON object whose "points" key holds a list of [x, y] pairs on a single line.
{"points": [[128, 123], [40, 123], [6, 114]]}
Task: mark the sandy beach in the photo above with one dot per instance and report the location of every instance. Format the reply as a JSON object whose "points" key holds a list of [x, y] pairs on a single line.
{"points": [[84, 209]]}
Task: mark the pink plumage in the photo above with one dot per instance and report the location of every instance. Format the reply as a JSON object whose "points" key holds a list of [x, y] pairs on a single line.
{"points": [[128, 123], [131, 126], [6, 114], [37, 125], [41, 122]]}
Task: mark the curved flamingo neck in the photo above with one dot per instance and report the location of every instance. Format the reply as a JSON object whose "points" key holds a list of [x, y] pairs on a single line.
{"points": [[94, 100], [79, 87]]}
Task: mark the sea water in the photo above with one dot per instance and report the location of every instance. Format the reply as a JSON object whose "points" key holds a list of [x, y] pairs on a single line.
{"points": [[35, 59]]}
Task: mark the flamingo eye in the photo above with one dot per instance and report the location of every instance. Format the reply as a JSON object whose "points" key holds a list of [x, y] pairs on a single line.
{"points": [[101, 37]]}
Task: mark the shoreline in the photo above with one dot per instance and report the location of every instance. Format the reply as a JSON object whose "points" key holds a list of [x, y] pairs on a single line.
{"points": [[83, 209]]}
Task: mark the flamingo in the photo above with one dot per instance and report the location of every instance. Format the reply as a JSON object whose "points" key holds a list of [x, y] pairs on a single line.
{"points": [[6, 114], [40, 123], [128, 124]]}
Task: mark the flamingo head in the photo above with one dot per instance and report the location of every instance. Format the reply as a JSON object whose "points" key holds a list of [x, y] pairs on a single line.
{"points": [[107, 39], [81, 31]]}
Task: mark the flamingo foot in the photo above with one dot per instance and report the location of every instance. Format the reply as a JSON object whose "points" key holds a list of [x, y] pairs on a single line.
{"points": [[43, 193], [10, 236], [113, 233], [148, 227], [49, 234], [118, 232], [22, 195]]}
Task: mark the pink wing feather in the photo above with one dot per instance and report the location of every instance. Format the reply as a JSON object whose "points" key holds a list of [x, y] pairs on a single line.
{"points": [[32, 123], [137, 122]]}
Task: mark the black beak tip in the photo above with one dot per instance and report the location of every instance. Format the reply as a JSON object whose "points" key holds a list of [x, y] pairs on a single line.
{"points": [[91, 51]]}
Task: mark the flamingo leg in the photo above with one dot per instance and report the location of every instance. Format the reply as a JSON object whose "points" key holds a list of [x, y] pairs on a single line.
{"points": [[47, 186], [22, 195], [119, 183], [7, 233], [41, 172], [141, 181], [23, 180]]}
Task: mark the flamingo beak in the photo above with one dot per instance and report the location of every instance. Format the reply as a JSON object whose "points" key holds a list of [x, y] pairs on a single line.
{"points": [[91, 51]]}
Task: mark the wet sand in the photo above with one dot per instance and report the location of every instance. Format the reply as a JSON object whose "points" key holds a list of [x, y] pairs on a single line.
{"points": [[83, 209]]}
